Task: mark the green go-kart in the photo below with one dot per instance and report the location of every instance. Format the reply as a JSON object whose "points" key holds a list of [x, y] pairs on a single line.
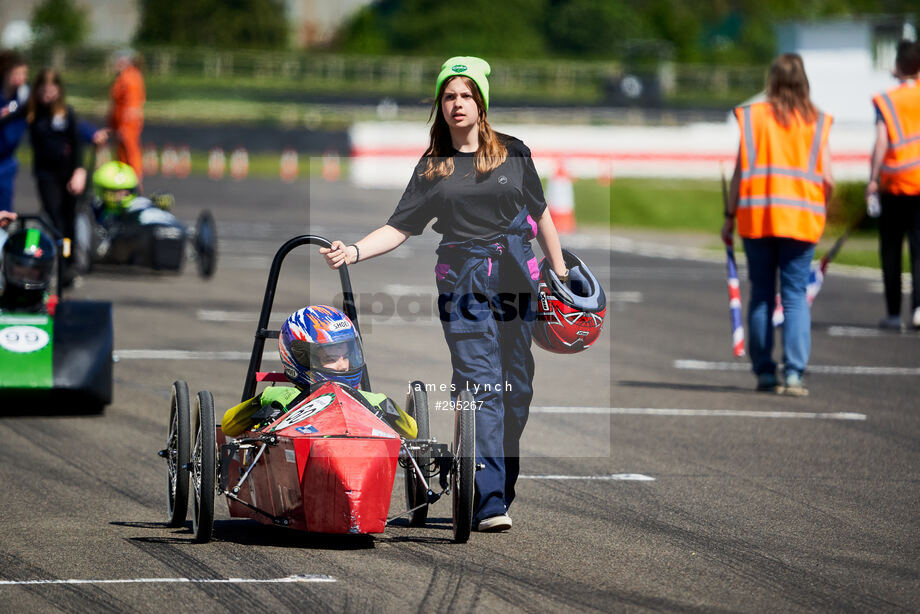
{"points": [[55, 356]]}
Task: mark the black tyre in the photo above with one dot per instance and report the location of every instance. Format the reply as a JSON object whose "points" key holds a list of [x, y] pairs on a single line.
{"points": [[204, 468], [206, 244], [83, 240], [177, 455], [462, 479], [416, 494]]}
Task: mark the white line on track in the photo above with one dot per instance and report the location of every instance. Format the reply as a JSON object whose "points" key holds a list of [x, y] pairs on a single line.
{"points": [[288, 579], [703, 365], [216, 315], [625, 297], [614, 477], [730, 413], [250, 317], [179, 355], [853, 331]]}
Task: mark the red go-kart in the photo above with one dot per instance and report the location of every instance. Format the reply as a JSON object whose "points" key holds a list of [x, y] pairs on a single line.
{"points": [[327, 465]]}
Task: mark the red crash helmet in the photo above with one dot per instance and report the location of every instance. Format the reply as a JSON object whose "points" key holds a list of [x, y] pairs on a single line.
{"points": [[569, 315]]}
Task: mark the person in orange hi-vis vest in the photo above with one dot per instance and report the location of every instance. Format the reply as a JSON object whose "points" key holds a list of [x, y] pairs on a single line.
{"points": [[779, 190], [894, 181], [126, 117]]}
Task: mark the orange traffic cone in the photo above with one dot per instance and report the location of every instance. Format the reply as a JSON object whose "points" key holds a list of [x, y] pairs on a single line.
{"points": [[289, 165], [150, 161], [239, 163], [217, 163], [332, 168], [183, 162], [560, 197], [169, 161]]}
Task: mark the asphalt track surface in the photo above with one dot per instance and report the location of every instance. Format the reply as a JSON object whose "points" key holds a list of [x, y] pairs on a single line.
{"points": [[771, 504]]}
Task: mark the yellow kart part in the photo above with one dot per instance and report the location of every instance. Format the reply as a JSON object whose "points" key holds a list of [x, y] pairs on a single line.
{"points": [[239, 418], [405, 425], [392, 414]]}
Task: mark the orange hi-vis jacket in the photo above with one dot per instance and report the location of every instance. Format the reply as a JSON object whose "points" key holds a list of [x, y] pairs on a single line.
{"points": [[900, 172], [782, 175], [128, 97]]}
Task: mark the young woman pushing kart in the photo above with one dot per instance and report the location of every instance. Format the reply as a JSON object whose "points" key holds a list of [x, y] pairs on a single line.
{"points": [[488, 200]]}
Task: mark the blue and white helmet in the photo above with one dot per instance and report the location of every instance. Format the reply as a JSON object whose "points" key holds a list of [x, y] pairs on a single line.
{"points": [[319, 343]]}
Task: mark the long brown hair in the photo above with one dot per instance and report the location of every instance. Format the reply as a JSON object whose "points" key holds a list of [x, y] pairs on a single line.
{"points": [[490, 154], [58, 107], [787, 89]]}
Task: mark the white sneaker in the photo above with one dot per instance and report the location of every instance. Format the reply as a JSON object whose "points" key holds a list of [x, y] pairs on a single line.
{"points": [[494, 524], [916, 318], [890, 323]]}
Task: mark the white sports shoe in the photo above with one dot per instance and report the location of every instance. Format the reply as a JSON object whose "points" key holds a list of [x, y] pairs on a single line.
{"points": [[494, 524], [916, 318]]}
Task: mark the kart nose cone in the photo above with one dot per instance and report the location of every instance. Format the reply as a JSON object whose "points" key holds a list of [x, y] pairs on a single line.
{"points": [[346, 484]]}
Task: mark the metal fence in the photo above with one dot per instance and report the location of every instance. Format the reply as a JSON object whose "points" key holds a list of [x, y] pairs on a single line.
{"points": [[555, 81]]}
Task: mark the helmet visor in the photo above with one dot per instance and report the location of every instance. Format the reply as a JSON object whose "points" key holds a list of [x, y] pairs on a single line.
{"points": [[26, 272], [334, 358]]}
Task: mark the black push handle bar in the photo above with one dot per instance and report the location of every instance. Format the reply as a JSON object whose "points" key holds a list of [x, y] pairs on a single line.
{"points": [[262, 331]]}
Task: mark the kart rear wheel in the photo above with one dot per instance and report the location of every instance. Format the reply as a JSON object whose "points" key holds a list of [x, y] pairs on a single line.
{"points": [[206, 244], [204, 468], [416, 493], [177, 455], [462, 478]]}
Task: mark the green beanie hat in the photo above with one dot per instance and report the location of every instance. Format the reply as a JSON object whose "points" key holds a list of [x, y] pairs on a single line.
{"points": [[476, 69]]}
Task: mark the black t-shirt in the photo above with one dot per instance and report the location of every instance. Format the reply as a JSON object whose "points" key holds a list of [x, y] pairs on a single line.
{"points": [[468, 206], [56, 143]]}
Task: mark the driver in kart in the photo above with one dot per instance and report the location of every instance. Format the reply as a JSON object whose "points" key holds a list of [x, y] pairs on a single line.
{"points": [[317, 344], [118, 191], [27, 262]]}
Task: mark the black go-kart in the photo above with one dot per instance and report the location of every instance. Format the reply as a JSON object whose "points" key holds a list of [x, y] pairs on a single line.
{"points": [[146, 235]]}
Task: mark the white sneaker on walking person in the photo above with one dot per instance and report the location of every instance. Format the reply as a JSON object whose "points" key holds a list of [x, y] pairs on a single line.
{"points": [[502, 522], [916, 318]]}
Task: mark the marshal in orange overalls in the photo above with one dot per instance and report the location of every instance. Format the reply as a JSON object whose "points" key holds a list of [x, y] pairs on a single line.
{"points": [[127, 117]]}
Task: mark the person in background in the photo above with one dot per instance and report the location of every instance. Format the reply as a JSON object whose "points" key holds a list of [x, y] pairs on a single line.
{"points": [[13, 95], [894, 182], [126, 116], [57, 148], [779, 193]]}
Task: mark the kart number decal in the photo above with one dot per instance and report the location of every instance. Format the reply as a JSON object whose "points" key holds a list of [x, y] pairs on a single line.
{"points": [[23, 339], [305, 411]]}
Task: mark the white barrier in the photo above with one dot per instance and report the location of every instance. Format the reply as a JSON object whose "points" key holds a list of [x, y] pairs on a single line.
{"points": [[384, 153]]}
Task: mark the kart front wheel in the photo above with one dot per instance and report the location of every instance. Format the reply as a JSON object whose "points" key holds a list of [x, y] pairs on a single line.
{"points": [[177, 455], [416, 493], [204, 468], [462, 478]]}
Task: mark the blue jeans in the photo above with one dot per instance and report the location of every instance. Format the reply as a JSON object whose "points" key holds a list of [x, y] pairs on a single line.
{"points": [[793, 260]]}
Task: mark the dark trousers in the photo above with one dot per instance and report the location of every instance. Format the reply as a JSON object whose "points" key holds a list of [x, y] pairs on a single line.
{"points": [[498, 360], [57, 202], [900, 216]]}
